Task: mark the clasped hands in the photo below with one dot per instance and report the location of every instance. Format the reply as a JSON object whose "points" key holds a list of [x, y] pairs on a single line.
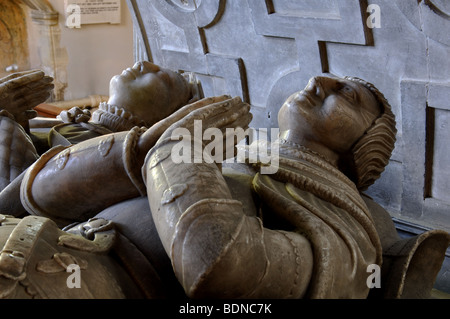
{"points": [[221, 112], [20, 92]]}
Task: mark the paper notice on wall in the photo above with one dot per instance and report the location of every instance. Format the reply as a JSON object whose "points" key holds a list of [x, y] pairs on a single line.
{"points": [[92, 11]]}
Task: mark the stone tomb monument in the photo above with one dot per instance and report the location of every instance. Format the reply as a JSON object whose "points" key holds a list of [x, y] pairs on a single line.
{"points": [[264, 51], [140, 223], [306, 230]]}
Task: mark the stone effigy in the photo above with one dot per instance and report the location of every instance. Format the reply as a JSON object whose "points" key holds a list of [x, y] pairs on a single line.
{"points": [[18, 92], [310, 233], [160, 228], [130, 95]]}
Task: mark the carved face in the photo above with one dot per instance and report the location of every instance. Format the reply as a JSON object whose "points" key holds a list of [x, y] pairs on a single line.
{"points": [[148, 91], [332, 112]]}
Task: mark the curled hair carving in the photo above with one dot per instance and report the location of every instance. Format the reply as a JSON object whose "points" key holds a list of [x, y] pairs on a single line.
{"points": [[371, 153]]}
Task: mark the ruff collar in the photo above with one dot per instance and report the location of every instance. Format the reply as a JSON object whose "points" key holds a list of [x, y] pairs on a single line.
{"points": [[115, 118]]}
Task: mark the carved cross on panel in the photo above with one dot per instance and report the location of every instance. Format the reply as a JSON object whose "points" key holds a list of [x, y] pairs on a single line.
{"points": [[253, 49]]}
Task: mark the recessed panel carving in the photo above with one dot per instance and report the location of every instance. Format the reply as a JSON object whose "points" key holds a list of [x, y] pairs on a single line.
{"points": [[170, 36], [440, 185], [327, 9], [188, 5]]}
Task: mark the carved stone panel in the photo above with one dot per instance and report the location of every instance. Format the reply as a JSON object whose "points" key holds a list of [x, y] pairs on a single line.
{"points": [[262, 51], [426, 178]]}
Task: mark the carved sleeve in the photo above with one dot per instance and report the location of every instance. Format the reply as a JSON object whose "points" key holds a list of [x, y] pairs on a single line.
{"points": [[17, 151], [217, 251], [75, 183]]}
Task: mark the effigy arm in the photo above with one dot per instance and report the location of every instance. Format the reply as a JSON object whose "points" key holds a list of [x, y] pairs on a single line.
{"points": [[218, 250]]}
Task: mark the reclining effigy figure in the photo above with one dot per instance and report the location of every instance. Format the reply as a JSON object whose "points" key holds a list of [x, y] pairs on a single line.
{"points": [[149, 226], [309, 233], [139, 97], [131, 94], [144, 83]]}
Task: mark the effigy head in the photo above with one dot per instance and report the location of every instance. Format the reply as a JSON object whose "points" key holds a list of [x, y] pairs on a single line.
{"points": [[149, 92], [345, 118]]}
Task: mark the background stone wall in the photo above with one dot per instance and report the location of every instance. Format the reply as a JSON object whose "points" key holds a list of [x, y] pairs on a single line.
{"points": [[13, 38], [34, 35], [266, 50]]}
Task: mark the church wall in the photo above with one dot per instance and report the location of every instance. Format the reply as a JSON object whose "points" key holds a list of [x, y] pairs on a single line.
{"points": [[81, 60], [96, 52]]}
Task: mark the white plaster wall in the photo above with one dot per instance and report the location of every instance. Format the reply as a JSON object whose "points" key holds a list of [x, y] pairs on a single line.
{"points": [[95, 52]]}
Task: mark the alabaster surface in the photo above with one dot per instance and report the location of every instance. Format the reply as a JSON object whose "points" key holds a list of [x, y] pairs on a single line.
{"points": [[165, 228]]}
